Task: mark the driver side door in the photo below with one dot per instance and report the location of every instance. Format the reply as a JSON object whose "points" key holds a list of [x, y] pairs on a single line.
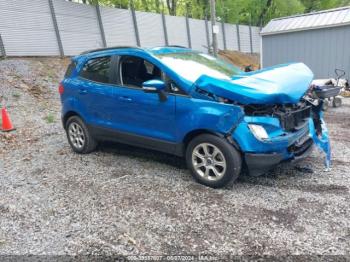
{"points": [[142, 117]]}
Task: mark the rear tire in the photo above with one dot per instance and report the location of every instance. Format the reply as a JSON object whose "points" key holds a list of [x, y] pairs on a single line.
{"points": [[213, 161], [79, 136]]}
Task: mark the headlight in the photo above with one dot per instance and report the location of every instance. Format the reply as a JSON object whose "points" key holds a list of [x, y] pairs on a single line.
{"points": [[258, 131]]}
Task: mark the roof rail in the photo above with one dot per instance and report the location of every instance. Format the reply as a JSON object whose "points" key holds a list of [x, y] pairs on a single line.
{"points": [[178, 46], [108, 48]]}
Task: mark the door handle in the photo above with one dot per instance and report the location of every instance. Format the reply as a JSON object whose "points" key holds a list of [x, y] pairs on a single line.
{"points": [[125, 98], [83, 91]]}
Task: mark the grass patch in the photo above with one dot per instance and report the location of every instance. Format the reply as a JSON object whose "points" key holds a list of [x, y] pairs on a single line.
{"points": [[50, 118], [16, 95]]}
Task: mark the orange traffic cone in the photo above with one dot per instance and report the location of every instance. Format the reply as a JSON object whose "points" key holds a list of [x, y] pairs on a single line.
{"points": [[6, 121]]}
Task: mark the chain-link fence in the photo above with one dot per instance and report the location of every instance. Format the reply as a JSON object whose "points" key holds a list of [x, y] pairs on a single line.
{"points": [[58, 27]]}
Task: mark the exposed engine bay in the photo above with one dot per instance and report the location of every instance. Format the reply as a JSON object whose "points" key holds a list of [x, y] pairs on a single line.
{"points": [[292, 117]]}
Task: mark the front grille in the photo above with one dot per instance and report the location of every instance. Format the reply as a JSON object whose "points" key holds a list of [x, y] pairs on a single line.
{"points": [[294, 120]]}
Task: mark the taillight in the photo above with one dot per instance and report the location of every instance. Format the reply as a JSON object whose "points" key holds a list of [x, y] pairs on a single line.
{"points": [[61, 89]]}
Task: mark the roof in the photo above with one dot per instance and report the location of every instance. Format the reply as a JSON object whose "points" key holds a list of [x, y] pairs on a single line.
{"points": [[315, 20], [155, 50], [107, 49]]}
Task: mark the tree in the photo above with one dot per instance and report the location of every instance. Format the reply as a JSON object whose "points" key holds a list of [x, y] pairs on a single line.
{"points": [[253, 12], [264, 11], [171, 5]]}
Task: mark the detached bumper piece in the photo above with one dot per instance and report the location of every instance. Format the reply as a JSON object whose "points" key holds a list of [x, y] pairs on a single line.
{"points": [[259, 164]]}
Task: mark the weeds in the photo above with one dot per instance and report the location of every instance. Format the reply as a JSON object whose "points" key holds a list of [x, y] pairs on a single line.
{"points": [[50, 118], [16, 95]]}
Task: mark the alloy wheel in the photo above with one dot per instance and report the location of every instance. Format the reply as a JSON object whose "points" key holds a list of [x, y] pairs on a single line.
{"points": [[208, 161], [76, 135]]}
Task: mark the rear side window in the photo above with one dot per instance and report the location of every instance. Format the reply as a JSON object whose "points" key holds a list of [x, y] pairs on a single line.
{"points": [[70, 69], [97, 69]]}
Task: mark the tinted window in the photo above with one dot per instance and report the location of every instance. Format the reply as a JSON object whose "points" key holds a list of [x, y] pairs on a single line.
{"points": [[70, 69], [97, 69], [135, 71], [172, 87]]}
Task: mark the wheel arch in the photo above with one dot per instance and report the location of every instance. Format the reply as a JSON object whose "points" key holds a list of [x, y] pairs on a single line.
{"points": [[189, 136], [67, 115]]}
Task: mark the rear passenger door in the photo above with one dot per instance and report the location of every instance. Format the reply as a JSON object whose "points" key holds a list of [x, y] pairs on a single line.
{"points": [[95, 92]]}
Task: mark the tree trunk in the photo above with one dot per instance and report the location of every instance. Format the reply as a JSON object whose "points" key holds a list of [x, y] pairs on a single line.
{"points": [[264, 12], [171, 4], [157, 6]]}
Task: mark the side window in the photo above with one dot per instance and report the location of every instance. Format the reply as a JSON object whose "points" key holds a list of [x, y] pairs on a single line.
{"points": [[97, 69], [172, 87], [135, 70], [70, 69]]}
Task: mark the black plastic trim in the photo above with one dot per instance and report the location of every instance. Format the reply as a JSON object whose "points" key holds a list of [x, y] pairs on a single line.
{"points": [[259, 164], [106, 134]]}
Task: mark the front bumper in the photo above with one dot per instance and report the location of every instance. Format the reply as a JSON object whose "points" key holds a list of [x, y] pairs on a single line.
{"points": [[259, 164]]}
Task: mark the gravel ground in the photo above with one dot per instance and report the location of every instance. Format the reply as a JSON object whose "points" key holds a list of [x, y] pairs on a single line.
{"points": [[126, 200]]}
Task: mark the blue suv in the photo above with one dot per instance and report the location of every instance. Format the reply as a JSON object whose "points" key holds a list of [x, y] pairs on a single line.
{"points": [[190, 104]]}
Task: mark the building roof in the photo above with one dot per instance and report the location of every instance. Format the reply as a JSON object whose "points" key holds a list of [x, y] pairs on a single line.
{"points": [[322, 19]]}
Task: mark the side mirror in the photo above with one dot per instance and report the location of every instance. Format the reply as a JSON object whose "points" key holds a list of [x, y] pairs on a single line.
{"points": [[155, 86]]}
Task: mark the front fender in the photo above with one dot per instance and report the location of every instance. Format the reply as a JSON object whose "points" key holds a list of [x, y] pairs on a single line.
{"points": [[195, 114]]}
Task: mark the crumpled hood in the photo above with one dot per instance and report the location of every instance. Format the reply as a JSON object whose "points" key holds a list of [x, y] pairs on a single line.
{"points": [[280, 84]]}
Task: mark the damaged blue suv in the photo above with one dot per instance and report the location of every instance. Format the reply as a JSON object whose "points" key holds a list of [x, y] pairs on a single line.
{"points": [[190, 104]]}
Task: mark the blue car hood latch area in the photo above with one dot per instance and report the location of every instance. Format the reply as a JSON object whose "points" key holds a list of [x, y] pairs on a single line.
{"points": [[280, 84]]}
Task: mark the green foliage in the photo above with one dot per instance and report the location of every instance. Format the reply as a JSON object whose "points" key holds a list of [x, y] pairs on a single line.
{"points": [[50, 118], [317, 5], [16, 95], [254, 12]]}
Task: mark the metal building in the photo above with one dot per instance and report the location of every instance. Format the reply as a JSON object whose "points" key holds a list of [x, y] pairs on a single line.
{"points": [[321, 40]]}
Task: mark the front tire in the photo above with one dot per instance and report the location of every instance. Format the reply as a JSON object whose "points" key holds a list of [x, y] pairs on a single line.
{"points": [[213, 161], [79, 136]]}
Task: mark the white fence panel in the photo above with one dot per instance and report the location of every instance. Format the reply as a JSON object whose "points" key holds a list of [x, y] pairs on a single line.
{"points": [[231, 37], [118, 26], [244, 38], [220, 37], [198, 34], [27, 29], [78, 27], [177, 32], [256, 39], [151, 29]]}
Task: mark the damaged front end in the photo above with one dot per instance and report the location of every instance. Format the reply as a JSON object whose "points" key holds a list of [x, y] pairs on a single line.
{"points": [[283, 117], [302, 125]]}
